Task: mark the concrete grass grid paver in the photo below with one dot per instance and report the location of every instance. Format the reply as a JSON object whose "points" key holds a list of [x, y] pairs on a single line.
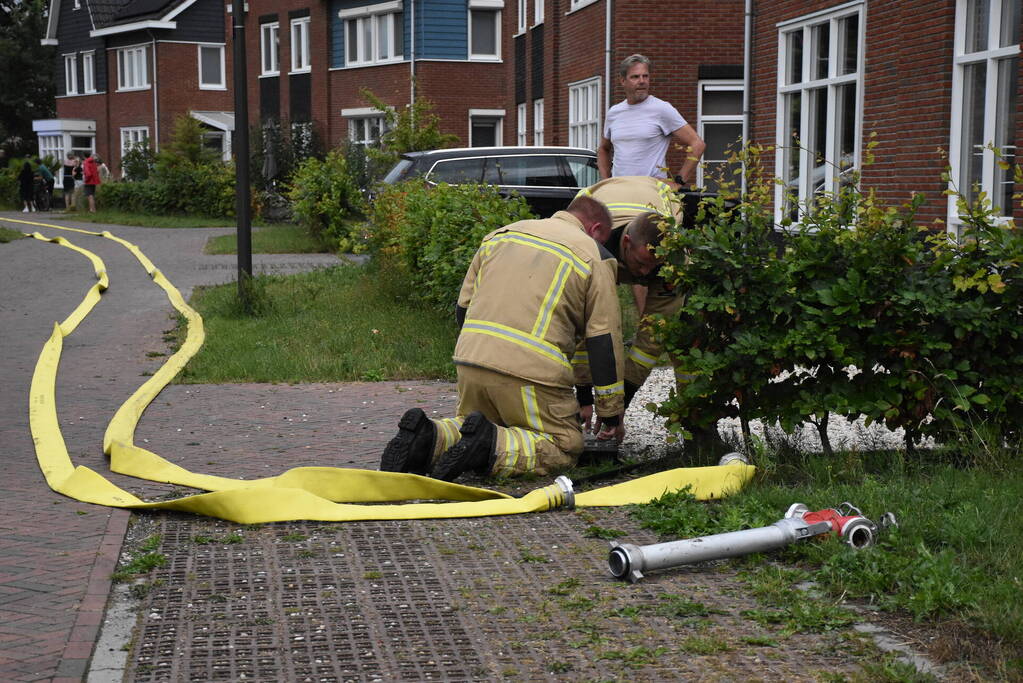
{"points": [[419, 605]]}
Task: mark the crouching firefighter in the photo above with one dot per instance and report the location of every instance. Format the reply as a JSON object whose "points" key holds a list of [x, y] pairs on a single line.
{"points": [[532, 290], [640, 208]]}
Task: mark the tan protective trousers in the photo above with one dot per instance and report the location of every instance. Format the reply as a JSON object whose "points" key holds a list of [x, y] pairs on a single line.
{"points": [[537, 428]]}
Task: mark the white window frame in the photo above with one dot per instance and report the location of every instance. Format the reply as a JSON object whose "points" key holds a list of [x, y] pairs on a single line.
{"points": [[495, 6], [71, 74], [367, 21], [52, 145], [270, 49], [132, 136], [520, 125], [363, 115], [803, 88], [520, 26], [723, 85], [990, 57], [133, 68], [579, 4], [538, 122], [89, 72], [222, 85], [300, 55], [538, 12], [496, 114], [584, 116]]}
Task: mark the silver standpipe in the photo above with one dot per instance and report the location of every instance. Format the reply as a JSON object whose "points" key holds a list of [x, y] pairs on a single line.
{"points": [[628, 561]]}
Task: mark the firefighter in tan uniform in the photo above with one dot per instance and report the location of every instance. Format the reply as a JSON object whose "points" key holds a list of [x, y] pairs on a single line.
{"points": [[638, 206], [533, 289]]}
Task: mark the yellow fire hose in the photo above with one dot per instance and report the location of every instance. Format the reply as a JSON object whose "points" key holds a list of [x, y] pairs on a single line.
{"points": [[310, 493]]}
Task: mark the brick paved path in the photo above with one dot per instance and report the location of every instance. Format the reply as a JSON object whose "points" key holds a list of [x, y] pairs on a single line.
{"points": [[56, 554]]}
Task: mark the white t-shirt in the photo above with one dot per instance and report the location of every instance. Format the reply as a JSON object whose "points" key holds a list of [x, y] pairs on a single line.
{"points": [[640, 134]]}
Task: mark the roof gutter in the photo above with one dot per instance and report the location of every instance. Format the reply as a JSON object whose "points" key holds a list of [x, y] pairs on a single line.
{"points": [[134, 26]]}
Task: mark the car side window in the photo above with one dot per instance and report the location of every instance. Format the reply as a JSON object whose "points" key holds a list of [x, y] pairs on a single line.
{"points": [[527, 171], [456, 171], [584, 169]]}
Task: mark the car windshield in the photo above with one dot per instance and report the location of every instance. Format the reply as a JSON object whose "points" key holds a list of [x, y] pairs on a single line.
{"points": [[395, 174]]}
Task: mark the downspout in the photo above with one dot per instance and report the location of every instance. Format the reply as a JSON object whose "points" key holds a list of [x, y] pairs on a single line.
{"points": [[608, 13], [747, 80], [412, 61], [156, 100]]}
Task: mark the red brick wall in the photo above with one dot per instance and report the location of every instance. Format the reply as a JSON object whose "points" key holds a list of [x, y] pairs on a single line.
{"points": [[907, 90]]}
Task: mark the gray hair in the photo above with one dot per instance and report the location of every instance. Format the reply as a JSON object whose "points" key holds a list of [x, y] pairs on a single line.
{"points": [[630, 61]]}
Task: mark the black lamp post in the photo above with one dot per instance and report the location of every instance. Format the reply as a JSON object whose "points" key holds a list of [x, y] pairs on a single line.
{"points": [[241, 153]]}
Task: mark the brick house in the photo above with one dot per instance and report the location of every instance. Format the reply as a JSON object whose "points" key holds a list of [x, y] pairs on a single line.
{"points": [[128, 68]]}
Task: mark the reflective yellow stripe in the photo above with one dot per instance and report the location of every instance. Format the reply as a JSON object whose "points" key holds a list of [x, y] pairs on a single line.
{"points": [[642, 359], [531, 408], [609, 389], [581, 358], [550, 301], [511, 452], [625, 206], [559, 250], [518, 337], [447, 433]]}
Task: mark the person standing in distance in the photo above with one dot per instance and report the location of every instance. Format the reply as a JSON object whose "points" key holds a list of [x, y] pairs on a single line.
{"points": [[638, 130]]}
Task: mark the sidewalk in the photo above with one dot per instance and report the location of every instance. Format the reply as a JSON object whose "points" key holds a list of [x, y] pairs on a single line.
{"points": [[519, 598]]}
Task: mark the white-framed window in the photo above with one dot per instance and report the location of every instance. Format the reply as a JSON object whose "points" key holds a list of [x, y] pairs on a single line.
{"points": [[584, 113], [520, 125], [486, 127], [211, 67], [269, 48], [300, 45], [538, 10], [89, 71], [133, 136], [374, 34], [985, 96], [538, 121], [520, 26], [133, 68], [485, 29], [218, 143], [51, 146], [71, 74], [819, 113], [573, 5], [720, 117], [365, 126]]}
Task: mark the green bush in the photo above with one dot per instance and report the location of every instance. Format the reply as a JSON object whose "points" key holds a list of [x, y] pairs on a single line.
{"points": [[10, 195], [197, 189], [863, 314], [433, 232], [324, 197]]}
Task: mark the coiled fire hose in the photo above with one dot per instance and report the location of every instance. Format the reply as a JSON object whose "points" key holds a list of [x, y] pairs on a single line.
{"points": [[628, 561]]}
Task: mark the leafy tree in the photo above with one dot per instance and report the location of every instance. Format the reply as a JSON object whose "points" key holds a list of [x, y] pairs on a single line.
{"points": [[27, 77]]}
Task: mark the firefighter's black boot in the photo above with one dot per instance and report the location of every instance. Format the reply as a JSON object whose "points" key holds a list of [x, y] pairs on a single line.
{"points": [[474, 451], [411, 449]]}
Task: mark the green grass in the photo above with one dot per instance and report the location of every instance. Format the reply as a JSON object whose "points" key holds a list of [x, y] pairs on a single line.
{"points": [[273, 239], [954, 558], [7, 235], [115, 217], [347, 323]]}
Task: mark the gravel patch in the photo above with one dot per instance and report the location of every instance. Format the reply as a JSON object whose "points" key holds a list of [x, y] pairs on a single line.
{"points": [[645, 432]]}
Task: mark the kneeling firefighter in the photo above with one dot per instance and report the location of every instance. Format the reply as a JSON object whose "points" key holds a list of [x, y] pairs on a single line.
{"points": [[532, 290]]}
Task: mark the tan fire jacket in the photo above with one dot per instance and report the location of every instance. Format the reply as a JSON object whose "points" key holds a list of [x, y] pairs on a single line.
{"points": [[533, 288]]}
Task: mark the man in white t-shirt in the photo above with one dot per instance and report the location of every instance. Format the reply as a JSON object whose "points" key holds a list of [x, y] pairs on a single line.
{"points": [[638, 130]]}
